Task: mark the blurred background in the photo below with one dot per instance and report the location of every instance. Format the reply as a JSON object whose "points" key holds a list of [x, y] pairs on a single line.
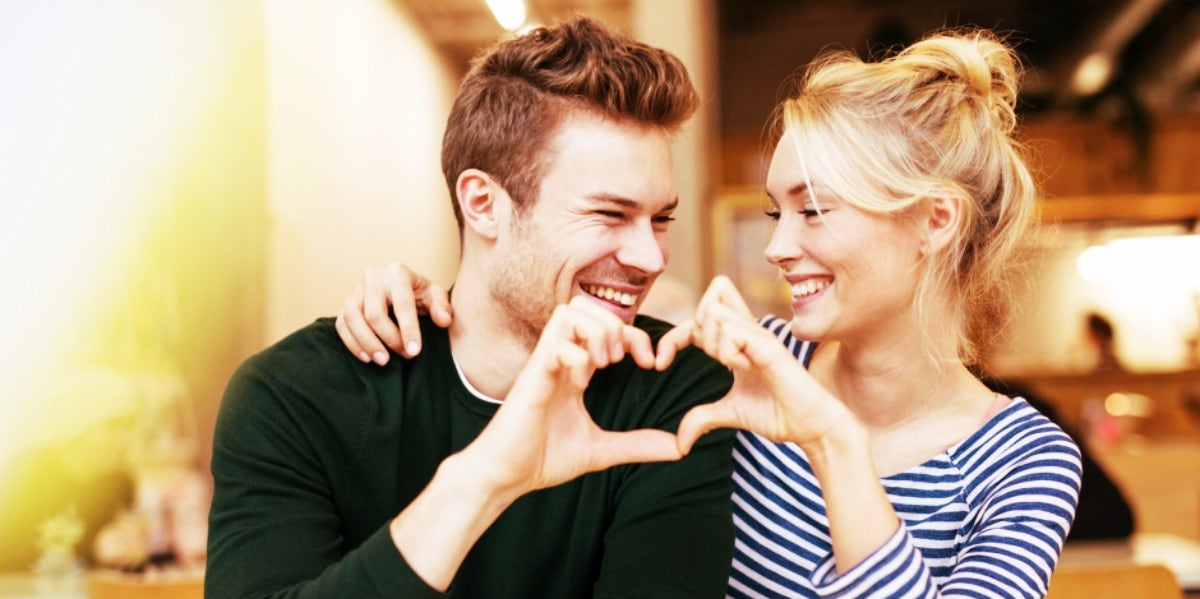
{"points": [[183, 183]]}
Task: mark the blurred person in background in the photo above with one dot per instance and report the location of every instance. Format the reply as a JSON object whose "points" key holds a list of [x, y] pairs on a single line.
{"points": [[1103, 339]]}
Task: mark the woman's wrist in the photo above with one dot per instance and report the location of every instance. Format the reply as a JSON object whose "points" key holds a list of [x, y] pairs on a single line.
{"points": [[844, 444]]}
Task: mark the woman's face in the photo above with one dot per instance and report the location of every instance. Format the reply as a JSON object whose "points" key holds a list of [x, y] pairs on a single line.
{"points": [[852, 272]]}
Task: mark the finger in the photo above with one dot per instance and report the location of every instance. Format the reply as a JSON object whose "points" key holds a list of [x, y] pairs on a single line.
{"points": [[755, 344], [348, 339], [603, 328], [367, 341], [439, 306], [634, 447], [673, 341], [639, 345], [731, 350], [731, 339], [710, 335], [702, 419], [573, 364], [392, 287], [727, 294]]}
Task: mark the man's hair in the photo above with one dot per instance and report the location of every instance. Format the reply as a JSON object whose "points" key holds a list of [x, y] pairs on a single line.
{"points": [[516, 96]]}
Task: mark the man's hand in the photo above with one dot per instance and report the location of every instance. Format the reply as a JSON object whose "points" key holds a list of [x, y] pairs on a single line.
{"points": [[541, 436], [364, 325]]}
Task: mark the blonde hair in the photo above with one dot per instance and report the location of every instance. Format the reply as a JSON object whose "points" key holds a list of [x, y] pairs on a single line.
{"points": [[936, 119]]}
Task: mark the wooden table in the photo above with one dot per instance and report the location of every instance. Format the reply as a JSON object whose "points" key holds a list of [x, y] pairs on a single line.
{"points": [[102, 585], [1179, 554]]}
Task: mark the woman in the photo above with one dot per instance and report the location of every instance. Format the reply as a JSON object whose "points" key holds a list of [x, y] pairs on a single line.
{"points": [[873, 463]]}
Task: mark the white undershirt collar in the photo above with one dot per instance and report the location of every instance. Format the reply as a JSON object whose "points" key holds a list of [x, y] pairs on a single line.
{"points": [[470, 387]]}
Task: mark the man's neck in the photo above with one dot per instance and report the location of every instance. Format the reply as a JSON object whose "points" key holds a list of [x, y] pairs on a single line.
{"points": [[489, 354]]}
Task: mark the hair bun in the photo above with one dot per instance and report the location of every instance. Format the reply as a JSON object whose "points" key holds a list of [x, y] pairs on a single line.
{"points": [[978, 59]]}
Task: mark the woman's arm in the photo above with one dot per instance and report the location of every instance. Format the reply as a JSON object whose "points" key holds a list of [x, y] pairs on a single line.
{"points": [[775, 397], [366, 322]]}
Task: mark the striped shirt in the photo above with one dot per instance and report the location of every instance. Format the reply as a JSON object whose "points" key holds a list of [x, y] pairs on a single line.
{"points": [[985, 518]]}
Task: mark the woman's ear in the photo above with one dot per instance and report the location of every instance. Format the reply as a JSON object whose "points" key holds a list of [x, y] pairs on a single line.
{"points": [[941, 222], [483, 202]]}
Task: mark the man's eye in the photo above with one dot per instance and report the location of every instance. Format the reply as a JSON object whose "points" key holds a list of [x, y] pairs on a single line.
{"points": [[664, 219], [611, 214], [811, 213]]}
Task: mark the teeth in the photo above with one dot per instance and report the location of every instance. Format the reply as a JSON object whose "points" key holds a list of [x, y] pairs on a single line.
{"points": [[808, 288], [612, 295]]}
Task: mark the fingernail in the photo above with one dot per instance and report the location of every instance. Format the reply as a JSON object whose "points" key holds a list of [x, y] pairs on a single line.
{"points": [[381, 358], [362, 355], [413, 348]]}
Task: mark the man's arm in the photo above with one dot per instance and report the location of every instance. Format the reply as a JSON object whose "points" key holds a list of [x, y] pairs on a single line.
{"points": [[542, 436], [273, 528], [280, 531]]}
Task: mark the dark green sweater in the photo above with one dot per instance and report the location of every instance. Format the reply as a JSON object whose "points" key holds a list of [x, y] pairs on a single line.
{"points": [[315, 453]]}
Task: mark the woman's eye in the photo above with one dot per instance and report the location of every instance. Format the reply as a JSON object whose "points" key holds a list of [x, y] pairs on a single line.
{"points": [[772, 214]]}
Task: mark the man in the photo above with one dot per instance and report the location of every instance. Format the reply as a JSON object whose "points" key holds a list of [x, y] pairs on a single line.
{"points": [[339, 478]]}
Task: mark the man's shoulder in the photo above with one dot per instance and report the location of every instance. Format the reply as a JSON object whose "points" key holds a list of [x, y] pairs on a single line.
{"points": [[311, 372], [312, 350]]}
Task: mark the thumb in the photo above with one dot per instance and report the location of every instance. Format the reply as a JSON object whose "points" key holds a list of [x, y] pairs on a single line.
{"points": [[633, 447], [702, 419]]}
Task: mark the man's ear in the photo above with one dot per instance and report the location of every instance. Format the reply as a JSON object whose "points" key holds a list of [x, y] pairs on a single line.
{"points": [[483, 202], [940, 221]]}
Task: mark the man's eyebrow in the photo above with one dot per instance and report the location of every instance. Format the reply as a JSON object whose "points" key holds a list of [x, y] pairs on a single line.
{"points": [[795, 190], [624, 202]]}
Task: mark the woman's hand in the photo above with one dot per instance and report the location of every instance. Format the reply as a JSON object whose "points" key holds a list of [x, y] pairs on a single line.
{"points": [[364, 325], [772, 395]]}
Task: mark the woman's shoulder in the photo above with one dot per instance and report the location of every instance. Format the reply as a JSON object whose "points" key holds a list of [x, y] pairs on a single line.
{"points": [[1017, 438]]}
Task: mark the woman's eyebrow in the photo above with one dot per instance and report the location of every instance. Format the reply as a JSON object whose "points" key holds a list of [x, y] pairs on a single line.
{"points": [[795, 190]]}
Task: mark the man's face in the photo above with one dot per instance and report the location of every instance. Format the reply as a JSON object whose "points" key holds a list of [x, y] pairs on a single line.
{"points": [[598, 227]]}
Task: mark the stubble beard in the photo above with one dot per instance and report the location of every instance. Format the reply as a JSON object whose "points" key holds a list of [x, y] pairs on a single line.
{"points": [[518, 286]]}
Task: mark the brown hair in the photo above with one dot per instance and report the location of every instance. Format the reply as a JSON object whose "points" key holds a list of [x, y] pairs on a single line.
{"points": [[938, 118], [515, 97]]}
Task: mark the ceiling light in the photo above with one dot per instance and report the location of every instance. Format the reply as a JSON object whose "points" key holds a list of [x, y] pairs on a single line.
{"points": [[509, 13], [1092, 74]]}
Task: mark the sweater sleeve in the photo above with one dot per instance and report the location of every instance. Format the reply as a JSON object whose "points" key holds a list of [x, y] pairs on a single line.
{"points": [[273, 527], [672, 532], [1012, 550]]}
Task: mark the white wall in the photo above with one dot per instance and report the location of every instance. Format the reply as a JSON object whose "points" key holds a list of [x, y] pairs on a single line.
{"points": [[131, 193], [357, 101], [687, 28]]}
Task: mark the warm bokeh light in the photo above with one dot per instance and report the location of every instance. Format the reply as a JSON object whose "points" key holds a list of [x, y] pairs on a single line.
{"points": [[1137, 259], [133, 190], [509, 13]]}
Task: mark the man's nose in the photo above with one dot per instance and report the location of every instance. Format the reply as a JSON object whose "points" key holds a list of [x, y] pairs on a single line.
{"points": [[644, 250]]}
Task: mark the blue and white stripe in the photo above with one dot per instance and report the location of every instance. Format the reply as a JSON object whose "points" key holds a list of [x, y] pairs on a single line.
{"points": [[986, 518]]}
